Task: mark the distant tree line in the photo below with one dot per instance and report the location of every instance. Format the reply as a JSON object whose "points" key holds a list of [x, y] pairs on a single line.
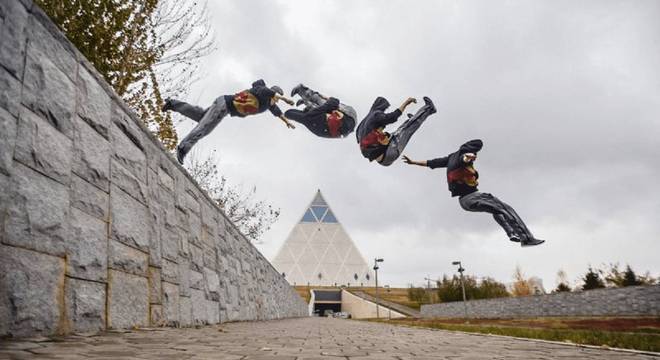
{"points": [[448, 289]]}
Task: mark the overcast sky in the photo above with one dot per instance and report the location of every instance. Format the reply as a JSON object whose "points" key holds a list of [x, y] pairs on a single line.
{"points": [[564, 94]]}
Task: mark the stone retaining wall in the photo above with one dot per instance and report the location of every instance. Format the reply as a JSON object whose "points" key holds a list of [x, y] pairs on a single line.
{"points": [[628, 301], [99, 227]]}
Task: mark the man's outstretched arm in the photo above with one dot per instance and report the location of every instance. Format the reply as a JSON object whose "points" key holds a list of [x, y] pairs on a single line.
{"points": [[410, 161], [433, 164]]}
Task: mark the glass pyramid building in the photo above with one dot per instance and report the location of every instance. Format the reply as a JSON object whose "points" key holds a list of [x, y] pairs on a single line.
{"points": [[319, 252]]}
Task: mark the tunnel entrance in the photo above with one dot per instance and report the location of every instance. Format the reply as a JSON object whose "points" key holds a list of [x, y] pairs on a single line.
{"points": [[320, 309], [325, 300]]}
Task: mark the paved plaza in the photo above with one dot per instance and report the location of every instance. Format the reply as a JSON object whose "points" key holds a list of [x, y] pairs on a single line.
{"points": [[297, 339]]}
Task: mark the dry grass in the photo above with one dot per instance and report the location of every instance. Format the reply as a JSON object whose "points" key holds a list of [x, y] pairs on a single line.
{"points": [[631, 333]]}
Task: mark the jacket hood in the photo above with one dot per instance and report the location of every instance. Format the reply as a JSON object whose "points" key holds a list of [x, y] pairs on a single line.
{"points": [[259, 82], [380, 104], [471, 146]]}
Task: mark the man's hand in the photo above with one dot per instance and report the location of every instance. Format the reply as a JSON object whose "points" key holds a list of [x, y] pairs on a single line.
{"points": [[410, 161], [469, 157]]}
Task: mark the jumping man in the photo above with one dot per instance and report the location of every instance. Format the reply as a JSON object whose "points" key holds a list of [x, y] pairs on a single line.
{"points": [[255, 100], [463, 180], [385, 148], [323, 116]]}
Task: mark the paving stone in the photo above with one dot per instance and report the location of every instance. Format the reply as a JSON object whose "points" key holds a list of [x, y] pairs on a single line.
{"points": [[170, 244], [87, 247], [170, 272], [47, 90], [31, 301], [89, 199], [127, 139], [156, 318], [170, 303], [128, 300], [127, 259], [185, 311], [46, 39], [130, 220], [8, 125], [85, 305], [36, 211], [184, 277], [91, 155], [155, 290], [14, 18], [199, 307], [94, 103], [126, 181], [43, 148], [197, 281]]}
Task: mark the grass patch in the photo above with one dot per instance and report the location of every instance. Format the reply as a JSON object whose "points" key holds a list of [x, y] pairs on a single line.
{"points": [[646, 340]]}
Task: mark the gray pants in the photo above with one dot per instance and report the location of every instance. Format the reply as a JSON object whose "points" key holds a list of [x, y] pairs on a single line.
{"points": [[190, 111], [402, 135], [501, 211], [207, 120], [313, 98]]}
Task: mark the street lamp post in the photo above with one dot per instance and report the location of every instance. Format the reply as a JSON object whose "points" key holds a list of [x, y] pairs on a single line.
{"points": [[376, 261], [428, 288], [461, 270]]}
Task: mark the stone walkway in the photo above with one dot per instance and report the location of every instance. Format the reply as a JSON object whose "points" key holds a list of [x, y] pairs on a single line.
{"points": [[298, 339]]}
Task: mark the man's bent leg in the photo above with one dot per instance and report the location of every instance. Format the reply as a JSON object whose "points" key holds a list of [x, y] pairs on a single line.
{"points": [[402, 135], [311, 97], [190, 111], [485, 202], [518, 221], [209, 121]]}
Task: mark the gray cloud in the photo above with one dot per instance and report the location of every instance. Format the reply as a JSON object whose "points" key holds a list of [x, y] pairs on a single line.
{"points": [[565, 95]]}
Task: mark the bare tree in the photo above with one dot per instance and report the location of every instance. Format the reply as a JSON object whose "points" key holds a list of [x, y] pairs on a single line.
{"points": [[183, 31], [521, 286], [253, 217]]}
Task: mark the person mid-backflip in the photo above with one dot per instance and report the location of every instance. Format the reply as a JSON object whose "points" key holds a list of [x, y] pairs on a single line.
{"points": [[255, 100], [463, 180], [323, 116], [385, 148]]}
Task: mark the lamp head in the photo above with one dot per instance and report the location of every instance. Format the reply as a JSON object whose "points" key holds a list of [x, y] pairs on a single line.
{"points": [[456, 263]]}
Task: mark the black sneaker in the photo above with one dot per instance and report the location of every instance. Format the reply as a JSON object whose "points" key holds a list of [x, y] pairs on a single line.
{"points": [[429, 103], [168, 105], [297, 89], [180, 154], [514, 238], [531, 242]]}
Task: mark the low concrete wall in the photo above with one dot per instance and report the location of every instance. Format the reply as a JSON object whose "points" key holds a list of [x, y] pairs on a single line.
{"points": [[628, 301], [99, 226], [360, 308]]}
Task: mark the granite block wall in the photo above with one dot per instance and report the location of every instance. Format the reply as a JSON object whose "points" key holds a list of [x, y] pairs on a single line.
{"points": [[99, 227], [628, 301]]}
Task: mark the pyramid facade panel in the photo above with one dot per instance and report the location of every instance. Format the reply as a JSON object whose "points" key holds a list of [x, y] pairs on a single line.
{"points": [[320, 252]]}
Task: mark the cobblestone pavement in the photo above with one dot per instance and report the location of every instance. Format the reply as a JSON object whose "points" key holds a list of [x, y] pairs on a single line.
{"points": [[297, 339]]}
